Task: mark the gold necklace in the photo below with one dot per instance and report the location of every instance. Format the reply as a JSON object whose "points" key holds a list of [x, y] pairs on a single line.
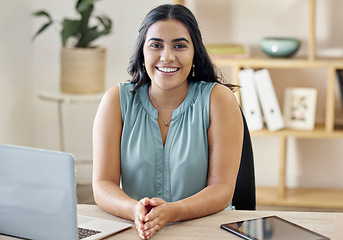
{"points": [[166, 122]]}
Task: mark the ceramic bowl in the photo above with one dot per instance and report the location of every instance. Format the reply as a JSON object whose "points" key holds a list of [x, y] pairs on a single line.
{"points": [[280, 47]]}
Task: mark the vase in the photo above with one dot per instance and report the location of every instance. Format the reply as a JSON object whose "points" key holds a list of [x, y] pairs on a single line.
{"points": [[83, 70]]}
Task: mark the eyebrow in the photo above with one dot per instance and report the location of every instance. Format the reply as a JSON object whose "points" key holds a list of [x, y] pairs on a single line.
{"points": [[180, 39], [174, 40]]}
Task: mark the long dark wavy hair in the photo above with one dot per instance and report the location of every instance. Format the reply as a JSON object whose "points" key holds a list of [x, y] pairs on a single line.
{"points": [[204, 69]]}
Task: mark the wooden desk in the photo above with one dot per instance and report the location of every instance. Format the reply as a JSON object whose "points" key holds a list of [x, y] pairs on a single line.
{"points": [[328, 224]]}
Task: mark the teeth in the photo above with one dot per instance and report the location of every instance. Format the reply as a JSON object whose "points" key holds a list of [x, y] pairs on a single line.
{"points": [[168, 70]]}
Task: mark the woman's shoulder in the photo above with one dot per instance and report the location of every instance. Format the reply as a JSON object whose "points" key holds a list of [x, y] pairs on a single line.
{"points": [[117, 92], [202, 89], [217, 91], [224, 103], [223, 93], [111, 96]]}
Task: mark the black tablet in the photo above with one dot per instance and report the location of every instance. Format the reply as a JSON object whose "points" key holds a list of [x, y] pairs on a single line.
{"points": [[271, 228]]}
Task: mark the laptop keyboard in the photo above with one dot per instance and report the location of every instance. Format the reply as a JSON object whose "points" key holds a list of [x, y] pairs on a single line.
{"points": [[85, 232]]}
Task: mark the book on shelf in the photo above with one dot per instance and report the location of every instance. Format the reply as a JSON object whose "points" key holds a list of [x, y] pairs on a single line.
{"points": [[268, 100], [339, 98], [339, 73], [250, 103], [228, 50]]}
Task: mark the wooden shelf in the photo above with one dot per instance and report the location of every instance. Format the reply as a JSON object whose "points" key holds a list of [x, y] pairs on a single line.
{"points": [[182, 2], [319, 132], [301, 197], [280, 62]]}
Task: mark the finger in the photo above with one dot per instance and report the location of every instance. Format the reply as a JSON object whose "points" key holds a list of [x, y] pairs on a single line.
{"points": [[139, 221], [155, 213], [145, 201], [156, 201], [139, 224], [139, 228], [141, 214], [152, 231], [142, 236], [150, 224], [141, 211]]}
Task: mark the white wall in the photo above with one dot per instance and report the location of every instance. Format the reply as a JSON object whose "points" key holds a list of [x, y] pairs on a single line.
{"points": [[17, 121], [26, 67]]}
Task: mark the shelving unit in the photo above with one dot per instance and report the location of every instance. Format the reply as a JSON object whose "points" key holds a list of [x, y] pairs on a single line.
{"points": [[282, 196]]}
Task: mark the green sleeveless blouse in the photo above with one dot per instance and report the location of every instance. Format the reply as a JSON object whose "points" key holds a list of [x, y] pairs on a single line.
{"points": [[178, 169]]}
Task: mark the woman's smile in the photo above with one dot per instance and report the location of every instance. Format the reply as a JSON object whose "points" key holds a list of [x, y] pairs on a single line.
{"points": [[167, 69]]}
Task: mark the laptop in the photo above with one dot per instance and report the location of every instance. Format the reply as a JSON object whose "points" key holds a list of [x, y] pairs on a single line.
{"points": [[38, 197]]}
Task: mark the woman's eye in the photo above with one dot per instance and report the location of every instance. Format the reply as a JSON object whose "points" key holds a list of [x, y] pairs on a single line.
{"points": [[156, 45], [179, 46]]}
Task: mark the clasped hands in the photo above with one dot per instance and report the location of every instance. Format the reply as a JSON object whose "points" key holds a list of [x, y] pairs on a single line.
{"points": [[150, 216]]}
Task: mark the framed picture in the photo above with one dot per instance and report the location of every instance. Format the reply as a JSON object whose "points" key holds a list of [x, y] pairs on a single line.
{"points": [[300, 108]]}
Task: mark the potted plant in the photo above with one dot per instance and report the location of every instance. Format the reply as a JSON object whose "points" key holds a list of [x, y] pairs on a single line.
{"points": [[82, 65]]}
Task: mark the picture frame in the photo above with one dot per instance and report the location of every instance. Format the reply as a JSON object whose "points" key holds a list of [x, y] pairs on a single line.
{"points": [[300, 108]]}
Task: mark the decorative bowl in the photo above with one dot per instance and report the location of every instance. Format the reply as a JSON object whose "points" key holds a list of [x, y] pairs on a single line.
{"points": [[279, 47]]}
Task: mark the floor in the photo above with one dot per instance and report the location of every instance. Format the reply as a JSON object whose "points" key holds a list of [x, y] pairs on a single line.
{"points": [[85, 196]]}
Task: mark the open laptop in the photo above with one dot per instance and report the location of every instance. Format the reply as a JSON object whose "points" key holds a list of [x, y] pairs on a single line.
{"points": [[38, 197]]}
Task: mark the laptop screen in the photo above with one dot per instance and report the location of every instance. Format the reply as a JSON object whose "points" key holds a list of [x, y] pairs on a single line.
{"points": [[37, 193]]}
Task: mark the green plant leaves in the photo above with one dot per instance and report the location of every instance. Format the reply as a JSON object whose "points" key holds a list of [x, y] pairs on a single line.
{"points": [[79, 29], [105, 21], [70, 29], [83, 5], [42, 13], [91, 35], [84, 35], [45, 26]]}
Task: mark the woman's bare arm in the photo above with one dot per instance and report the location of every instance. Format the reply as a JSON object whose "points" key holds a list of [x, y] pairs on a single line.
{"points": [[106, 158]]}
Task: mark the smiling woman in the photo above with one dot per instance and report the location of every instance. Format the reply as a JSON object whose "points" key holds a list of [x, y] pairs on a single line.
{"points": [[168, 57], [172, 136]]}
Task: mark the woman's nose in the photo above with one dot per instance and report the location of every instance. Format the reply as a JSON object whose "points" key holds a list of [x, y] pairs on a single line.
{"points": [[167, 55]]}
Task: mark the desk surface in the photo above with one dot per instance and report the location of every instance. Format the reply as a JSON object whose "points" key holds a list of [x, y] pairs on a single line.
{"points": [[328, 224]]}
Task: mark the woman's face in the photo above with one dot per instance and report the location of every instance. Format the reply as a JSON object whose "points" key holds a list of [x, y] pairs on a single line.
{"points": [[168, 54]]}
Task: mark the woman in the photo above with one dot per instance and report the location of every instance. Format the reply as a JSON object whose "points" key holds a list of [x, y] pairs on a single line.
{"points": [[172, 136]]}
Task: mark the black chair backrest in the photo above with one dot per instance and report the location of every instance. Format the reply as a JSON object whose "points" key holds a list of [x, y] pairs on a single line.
{"points": [[244, 197]]}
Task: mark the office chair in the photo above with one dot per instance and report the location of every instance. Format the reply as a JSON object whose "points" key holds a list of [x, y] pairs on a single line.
{"points": [[244, 197]]}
